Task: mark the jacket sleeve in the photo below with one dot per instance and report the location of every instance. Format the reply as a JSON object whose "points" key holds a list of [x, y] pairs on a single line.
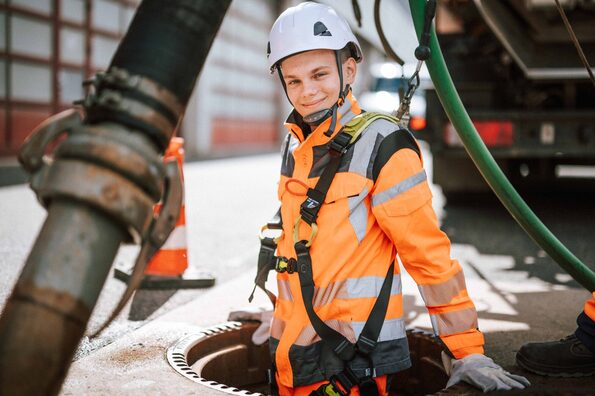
{"points": [[402, 205]]}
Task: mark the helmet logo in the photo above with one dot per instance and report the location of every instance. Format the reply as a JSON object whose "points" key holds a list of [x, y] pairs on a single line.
{"points": [[321, 30]]}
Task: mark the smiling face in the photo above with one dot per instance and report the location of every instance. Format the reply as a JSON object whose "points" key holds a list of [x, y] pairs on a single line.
{"points": [[312, 79]]}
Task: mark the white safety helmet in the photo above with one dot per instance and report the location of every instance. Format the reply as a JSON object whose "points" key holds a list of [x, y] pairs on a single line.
{"points": [[309, 26]]}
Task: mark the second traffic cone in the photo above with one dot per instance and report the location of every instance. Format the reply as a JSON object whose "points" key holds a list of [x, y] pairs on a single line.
{"points": [[172, 258], [167, 268]]}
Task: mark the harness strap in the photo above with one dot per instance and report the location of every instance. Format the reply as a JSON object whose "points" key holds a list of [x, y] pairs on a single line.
{"points": [[311, 206], [266, 258], [272, 381], [368, 338]]}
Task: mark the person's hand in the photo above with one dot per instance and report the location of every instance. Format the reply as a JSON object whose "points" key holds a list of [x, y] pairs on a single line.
{"points": [[481, 372], [260, 314]]}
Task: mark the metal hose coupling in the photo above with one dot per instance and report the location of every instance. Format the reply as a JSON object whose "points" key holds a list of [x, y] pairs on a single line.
{"points": [[110, 167], [135, 101], [93, 166]]}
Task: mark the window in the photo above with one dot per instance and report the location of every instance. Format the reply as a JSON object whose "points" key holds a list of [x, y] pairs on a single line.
{"points": [[30, 36], [72, 46], [31, 82], [73, 11], [71, 88]]}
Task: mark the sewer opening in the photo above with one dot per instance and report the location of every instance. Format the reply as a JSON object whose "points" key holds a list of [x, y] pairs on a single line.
{"points": [[224, 358]]}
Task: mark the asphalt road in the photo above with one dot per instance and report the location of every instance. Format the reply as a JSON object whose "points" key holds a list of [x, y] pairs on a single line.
{"points": [[520, 293]]}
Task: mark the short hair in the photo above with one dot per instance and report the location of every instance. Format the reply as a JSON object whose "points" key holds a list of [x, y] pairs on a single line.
{"points": [[346, 52]]}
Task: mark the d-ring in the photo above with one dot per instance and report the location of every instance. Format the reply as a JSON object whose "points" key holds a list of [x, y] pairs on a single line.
{"points": [[265, 228], [296, 238]]}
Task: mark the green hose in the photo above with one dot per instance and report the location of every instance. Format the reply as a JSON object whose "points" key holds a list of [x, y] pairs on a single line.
{"points": [[487, 165]]}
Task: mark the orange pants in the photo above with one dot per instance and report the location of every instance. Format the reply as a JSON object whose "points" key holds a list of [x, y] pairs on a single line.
{"points": [[307, 389]]}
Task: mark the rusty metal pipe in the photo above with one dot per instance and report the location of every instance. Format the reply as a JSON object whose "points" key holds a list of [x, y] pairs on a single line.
{"points": [[46, 316], [100, 187]]}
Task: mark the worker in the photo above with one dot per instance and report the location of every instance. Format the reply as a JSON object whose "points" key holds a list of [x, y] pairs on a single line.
{"points": [[573, 356], [349, 203]]}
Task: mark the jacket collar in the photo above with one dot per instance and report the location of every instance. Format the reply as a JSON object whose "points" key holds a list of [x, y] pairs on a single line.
{"points": [[296, 125]]}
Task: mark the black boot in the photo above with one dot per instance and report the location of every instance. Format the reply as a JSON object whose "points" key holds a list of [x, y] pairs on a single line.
{"points": [[568, 357]]}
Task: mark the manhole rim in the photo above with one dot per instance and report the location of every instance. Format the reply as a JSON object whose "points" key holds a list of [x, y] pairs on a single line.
{"points": [[177, 358]]}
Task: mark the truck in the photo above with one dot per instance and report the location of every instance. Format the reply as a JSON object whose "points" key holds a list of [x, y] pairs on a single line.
{"points": [[521, 79]]}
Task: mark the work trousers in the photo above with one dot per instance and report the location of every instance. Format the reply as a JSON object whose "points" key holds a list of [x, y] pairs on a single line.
{"points": [[307, 389], [586, 325]]}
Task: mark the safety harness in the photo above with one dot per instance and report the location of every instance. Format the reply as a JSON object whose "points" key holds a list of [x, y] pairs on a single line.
{"points": [[339, 384]]}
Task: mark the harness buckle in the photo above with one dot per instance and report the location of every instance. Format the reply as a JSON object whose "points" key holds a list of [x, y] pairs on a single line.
{"points": [[296, 236], [332, 388], [284, 264], [340, 142]]}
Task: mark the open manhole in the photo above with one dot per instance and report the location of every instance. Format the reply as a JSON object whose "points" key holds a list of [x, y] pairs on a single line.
{"points": [[224, 358]]}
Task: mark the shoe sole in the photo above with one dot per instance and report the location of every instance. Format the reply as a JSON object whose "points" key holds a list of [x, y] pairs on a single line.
{"points": [[523, 364]]}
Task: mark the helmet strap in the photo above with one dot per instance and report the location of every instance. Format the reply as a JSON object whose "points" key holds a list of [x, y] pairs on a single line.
{"points": [[278, 67], [317, 118]]}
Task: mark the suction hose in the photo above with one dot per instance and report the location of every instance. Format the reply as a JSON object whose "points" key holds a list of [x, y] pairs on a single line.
{"points": [[486, 164], [100, 187]]}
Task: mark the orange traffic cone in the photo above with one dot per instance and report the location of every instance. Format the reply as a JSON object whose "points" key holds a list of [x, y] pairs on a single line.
{"points": [[172, 258], [167, 268]]}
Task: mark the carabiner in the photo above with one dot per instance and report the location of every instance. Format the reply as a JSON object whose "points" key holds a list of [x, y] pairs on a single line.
{"points": [[296, 237], [265, 228]]}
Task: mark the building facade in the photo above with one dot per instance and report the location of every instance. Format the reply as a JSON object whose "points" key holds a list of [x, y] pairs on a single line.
{"points": [[49, 47]]}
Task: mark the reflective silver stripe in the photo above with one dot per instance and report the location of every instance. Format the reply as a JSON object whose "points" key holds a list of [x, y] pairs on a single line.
{"points": [[454, 322], [358, 214], [345, 111], [399, 188], [308, 336], [325, 295], [277, 327], [392, 329], [443, 293], [284, 290], [293, 143], [369, 286], [363, 150], [365, 287], [347, 117]]}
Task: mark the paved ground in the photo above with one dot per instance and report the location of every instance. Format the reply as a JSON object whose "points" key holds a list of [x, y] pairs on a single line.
{"points": [[520, 293]]}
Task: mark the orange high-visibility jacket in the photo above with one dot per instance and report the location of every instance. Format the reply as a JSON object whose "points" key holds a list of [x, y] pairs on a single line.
{"points": [[378, 205]]}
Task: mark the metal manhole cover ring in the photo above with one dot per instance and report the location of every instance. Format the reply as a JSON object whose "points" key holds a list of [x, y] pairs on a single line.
{"points": [[177, 356], [225, 353]]}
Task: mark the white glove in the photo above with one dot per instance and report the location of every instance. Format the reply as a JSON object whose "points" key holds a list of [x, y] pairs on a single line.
{"points": [[260, 314], [481, 372]]}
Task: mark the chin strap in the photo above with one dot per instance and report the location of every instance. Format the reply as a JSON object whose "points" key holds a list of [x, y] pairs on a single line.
{"points": [[335, 110], [342, 95]]}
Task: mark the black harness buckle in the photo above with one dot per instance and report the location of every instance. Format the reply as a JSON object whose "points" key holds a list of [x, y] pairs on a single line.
{"points": [[331, 389], [340, 143], [283, 264]]}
